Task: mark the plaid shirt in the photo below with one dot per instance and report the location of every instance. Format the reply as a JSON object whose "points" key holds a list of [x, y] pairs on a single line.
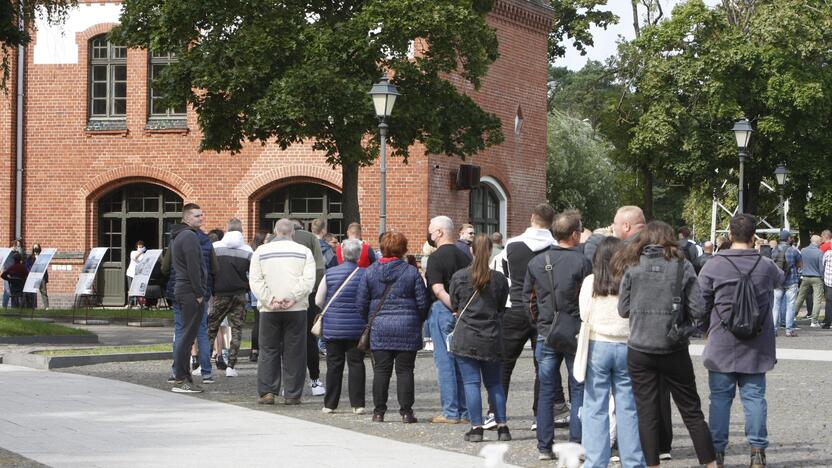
{"points": [[827, 268], [792, 259]]}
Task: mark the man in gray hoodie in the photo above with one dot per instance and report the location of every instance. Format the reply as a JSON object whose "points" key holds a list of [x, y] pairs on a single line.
{"points": [[191, 283]]}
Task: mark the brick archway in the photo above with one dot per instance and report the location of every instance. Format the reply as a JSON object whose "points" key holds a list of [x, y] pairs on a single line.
{"points": [[91, 191]]}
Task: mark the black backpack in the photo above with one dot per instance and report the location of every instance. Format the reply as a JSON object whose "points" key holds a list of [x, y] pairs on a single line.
{"points": [[690, 250], [780, 258], [745, 320]]}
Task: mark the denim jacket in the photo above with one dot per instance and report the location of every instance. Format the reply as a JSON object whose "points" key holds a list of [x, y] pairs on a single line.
{"points": [[646, 297]]}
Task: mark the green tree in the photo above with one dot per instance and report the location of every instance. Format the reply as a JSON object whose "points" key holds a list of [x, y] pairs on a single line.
{"points": [[573, 19], [580, 175], [294, 71], [17, 20]]}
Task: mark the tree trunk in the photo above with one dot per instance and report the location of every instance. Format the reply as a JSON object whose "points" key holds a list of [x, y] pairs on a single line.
{"points": [[648, 192], [349, 196]]}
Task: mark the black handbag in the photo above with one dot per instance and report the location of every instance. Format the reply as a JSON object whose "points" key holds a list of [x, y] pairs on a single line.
{"points": [[563, 336], [364, 342], [681, 325]]}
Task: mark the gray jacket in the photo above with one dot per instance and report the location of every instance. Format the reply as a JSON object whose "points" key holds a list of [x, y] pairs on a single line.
{"points": [[646, 297], [724, 352]]}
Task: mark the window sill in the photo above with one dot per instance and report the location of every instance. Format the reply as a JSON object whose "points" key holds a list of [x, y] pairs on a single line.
{"points": [[107, 127], [167, 125], [166, 131]]}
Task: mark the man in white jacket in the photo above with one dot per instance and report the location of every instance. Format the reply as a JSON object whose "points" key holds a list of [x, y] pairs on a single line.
{"points": [[282, 276]]}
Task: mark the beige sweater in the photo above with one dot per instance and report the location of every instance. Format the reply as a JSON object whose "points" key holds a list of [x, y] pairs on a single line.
{"points": [[602, 313], [282, 269]]}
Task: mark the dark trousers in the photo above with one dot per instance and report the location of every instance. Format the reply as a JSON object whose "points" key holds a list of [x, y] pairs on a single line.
{"points": [[337, 351], [313, 360], [282, 353], [255, 331], [827, 319], [517, 330], [676, 369], [192, 312], [665, 420], [405, 362]]}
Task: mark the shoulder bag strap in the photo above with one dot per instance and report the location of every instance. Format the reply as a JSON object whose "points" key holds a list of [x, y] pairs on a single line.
{"points": [[340, 288], [463, 310], [678, 290], [380, 303], [549, 269]]}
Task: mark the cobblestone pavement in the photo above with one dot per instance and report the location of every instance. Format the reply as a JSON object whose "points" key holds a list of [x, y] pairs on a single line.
{"points": [[799, 416]]}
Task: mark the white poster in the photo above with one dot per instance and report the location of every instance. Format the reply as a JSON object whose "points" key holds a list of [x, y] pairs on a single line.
{"points": [[86, 280], [143, 270], [38, 270], [4, 253]]}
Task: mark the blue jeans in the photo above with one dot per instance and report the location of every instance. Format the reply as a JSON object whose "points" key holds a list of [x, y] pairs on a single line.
{"points": [[451, 391], [606, 371], [202, 337], [471, 370], [6, 294], [790, 293], [548, 364], [753, 395]]}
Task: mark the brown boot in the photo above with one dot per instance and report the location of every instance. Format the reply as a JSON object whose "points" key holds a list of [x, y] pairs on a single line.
{"points": [[758, 458]]}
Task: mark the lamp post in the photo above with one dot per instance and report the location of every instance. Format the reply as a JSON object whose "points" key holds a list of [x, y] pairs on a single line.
{"points": [[384, 96], [742, 131], [782, 174]]}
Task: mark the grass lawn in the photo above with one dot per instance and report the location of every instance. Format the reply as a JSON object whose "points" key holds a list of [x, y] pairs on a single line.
{"points": [[107, 314], [163, 347], [17, 327]]}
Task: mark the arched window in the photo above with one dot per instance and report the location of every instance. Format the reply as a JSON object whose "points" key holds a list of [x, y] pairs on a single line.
{"points": [[488, 208], [305, 202], [108, 80], [158, 63]]}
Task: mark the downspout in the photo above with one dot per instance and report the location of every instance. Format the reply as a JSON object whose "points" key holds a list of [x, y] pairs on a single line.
{"points": [[18, 185]]}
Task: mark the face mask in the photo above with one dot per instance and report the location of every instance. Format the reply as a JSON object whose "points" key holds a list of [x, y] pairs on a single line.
{"points": [[431, 242], [142, 249]]}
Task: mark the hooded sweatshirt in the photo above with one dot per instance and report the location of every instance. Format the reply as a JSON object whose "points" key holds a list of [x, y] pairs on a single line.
{"points": [[234, 259], [514, 260], [191, 271]]}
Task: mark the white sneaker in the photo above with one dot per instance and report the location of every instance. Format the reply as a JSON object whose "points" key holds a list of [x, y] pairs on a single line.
{"points": [[230, 372], [197, 371], [318, 388], [428, 345], [815, 324], [534, 426], [490, 422], [359, 410], [327, 410], [665, 456]]}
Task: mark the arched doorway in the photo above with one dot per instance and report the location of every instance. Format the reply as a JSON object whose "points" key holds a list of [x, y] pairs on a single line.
{"points": [[304, 202], [127, 214], [484, 209]]}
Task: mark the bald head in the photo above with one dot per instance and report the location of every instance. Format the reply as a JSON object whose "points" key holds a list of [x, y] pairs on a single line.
{"points": [[815, 240], [708, 247], [628, 221]]}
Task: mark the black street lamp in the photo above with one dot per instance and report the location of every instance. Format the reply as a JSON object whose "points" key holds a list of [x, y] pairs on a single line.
{"points": [[782, 174], [742, 131], [384, 96]]}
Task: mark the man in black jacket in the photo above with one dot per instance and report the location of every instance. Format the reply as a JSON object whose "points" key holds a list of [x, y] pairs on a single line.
{"points": [[190, 287], [554, 277]]}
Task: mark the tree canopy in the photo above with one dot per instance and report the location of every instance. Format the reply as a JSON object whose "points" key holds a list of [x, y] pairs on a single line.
{"points": [[295, 71]]}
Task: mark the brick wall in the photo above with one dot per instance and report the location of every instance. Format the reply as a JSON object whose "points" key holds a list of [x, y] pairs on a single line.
{"points": [[70, 168]]}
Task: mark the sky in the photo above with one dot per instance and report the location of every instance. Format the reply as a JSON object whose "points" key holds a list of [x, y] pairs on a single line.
{"points": [[606, 40]]}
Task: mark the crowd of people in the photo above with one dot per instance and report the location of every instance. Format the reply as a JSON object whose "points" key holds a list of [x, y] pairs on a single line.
{"points": [[15, 270], [617, 306]]}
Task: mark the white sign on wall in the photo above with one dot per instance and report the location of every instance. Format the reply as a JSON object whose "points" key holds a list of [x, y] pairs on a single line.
{"points": [[86, 280]]}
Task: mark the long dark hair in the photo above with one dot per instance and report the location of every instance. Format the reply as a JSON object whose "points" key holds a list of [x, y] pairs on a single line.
{"points": [[656, 233], [259, 239], [605, 283], [480, 270]]}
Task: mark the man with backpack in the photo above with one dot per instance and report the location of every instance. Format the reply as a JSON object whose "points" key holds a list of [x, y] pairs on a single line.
{"points": [[788, 259], [737, 286], [690, 249]]}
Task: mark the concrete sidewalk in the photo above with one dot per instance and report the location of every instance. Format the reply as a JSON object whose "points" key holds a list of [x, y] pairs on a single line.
{"points": [[66, 420]]}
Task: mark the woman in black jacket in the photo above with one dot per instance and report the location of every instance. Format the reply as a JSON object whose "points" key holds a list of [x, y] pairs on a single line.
{"points": [[478, 297], [648, 267]]}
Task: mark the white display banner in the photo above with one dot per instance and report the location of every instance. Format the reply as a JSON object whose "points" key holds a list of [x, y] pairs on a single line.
{"points": [[4, 254], [86, 280], [38, 270], [143, 270]]}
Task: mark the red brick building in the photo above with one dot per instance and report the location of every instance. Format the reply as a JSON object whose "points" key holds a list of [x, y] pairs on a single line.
{"points": [[103, 167]]}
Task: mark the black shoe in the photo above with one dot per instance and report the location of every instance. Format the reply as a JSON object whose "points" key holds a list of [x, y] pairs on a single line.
{"points": [[720, 459], [194, 363], [291, 401], [474, 435], [253, 356], [378, 417], [503, 434], [825, 326], [221, 365], [408, 418]]}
